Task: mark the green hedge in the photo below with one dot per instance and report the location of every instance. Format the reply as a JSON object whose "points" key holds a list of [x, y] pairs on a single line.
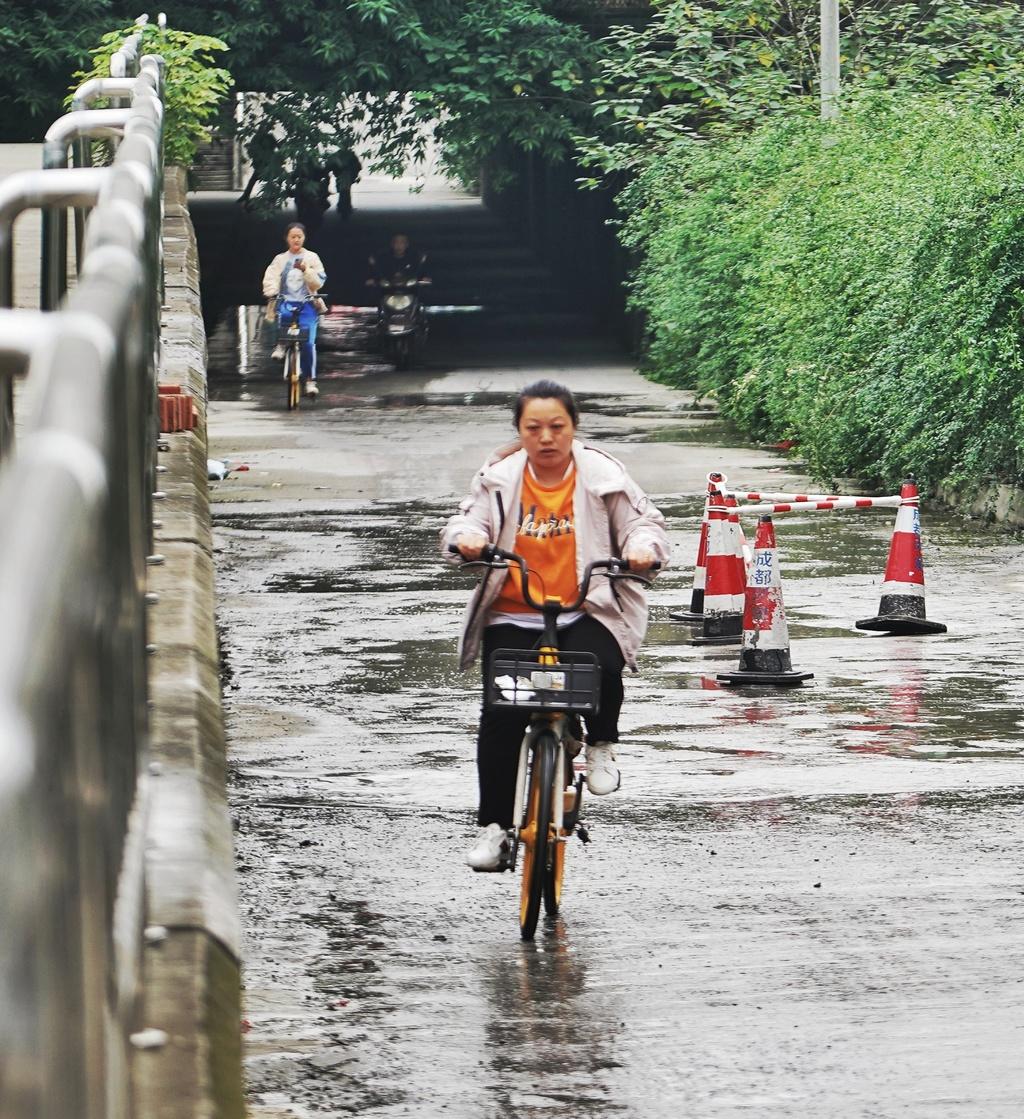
{"points": [[857, 286]]}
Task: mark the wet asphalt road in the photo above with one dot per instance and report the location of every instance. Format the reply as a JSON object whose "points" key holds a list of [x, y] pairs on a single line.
{"points": [[801, 903]]}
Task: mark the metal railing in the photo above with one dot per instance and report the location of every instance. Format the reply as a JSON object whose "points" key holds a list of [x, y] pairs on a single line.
{"points": [[75, 505]]}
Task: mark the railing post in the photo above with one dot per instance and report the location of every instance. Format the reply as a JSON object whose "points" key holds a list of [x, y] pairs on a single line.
{"points": [[83, 98], [92, 123], [20, 333]]}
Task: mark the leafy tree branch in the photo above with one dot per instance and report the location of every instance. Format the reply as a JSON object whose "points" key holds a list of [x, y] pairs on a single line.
{"points": [[194, 84]]}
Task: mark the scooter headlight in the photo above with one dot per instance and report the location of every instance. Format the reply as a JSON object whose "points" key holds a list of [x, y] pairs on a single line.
{"points": [[398, 302]]}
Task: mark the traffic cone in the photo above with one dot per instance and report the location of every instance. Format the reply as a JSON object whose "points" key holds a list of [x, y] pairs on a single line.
{"points": [[739, 541], [902, 607], [696, 611], [764, 658], [723, 595]]}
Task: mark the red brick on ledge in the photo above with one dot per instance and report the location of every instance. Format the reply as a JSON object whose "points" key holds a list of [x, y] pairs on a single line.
{"points": [[177, 409]]}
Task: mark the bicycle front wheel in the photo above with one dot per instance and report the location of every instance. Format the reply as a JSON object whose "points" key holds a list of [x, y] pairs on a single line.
{"points": [[535, 836], [292, 378]]}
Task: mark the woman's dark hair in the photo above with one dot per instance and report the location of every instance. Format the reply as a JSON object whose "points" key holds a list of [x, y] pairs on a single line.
{"points": [[545, 390], [295, 225]]}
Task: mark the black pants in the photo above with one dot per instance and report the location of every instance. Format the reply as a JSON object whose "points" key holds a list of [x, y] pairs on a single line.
{"points": [[501, 731]]}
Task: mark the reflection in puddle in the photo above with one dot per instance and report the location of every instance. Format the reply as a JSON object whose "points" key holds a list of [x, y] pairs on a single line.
{"points": [[548, 1039]]}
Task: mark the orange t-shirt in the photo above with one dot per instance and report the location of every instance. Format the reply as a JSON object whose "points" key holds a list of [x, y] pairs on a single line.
{"points": [[546, 539]]}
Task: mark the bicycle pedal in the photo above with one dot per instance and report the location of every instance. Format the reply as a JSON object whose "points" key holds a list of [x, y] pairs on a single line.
{"points": [[583, 832]]}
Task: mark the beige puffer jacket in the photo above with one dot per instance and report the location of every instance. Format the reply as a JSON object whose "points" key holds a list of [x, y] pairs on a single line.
{"points": [[612, 514], [314, 274]]}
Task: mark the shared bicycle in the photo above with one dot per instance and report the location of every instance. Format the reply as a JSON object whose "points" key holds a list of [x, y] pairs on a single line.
{"points": [[557, 686], [292, 335]]}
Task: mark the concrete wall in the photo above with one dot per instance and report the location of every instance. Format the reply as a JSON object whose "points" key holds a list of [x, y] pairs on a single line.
{"points": [[991, 501], [192, 970]]}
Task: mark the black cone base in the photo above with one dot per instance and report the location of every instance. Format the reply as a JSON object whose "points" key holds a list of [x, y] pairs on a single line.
{"points": [[900, 625], [779, 679], [718, 639], [685, 616], [720, 629]]}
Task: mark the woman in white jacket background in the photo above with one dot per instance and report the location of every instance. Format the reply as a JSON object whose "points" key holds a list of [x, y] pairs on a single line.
{"points": [[293, 278], [560, 503]]}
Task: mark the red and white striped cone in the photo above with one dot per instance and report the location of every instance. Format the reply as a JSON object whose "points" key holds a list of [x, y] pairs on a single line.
{"points": [[739, 541], [723, 595], [696, 611], [764, 658], [902, 608]]}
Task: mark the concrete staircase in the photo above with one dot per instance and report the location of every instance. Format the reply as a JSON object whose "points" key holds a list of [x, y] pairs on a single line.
{"points": [[213, 167], [473, 259]]}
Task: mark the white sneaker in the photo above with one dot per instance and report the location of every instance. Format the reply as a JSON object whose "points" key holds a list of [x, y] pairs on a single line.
{"points": [[311, 389], [490, 850], [278, 352], [603, 775]]}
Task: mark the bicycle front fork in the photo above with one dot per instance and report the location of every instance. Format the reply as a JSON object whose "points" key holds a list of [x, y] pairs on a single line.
{"points": [[566, 796]]}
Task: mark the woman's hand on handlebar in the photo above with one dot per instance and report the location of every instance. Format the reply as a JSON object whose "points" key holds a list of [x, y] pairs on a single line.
{"points": [[640, 559], [470, 546]]}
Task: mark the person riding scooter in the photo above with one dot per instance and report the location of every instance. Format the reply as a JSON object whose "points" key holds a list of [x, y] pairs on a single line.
{"points": [[399, 272], [399, 259]]}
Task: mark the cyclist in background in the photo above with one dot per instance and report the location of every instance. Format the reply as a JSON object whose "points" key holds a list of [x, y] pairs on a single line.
{"points": [[559, 503], [293, 278]]}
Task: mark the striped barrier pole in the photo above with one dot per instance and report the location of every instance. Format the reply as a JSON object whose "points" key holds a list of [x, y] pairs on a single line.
{"points": [[759, 495], [827, 505]]}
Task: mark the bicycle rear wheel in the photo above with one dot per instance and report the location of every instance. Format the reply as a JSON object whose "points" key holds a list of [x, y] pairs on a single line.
{"points": [[292, 377], [535, 836]]}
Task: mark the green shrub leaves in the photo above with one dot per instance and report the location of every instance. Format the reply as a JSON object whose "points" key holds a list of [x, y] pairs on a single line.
{"points": [[856, 286]]}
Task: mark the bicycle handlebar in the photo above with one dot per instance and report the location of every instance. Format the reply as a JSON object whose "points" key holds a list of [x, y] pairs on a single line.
{"points": [[613, 568]]}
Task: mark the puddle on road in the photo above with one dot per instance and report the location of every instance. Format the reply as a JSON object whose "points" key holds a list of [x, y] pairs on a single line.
{"points": [[328, 583], [435, 759], [936, 713]]}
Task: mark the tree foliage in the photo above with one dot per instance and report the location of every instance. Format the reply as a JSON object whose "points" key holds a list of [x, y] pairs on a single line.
{"points": [[857, 286], [386, 70], [194, 84], [41, 45], [701, 68], [494, 71]]}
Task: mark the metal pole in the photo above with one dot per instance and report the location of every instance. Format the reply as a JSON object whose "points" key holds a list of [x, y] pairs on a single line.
{"points": [[18, 192], [829, 59], [20, 333], [25, 190], [82, 98], [63, 134]]}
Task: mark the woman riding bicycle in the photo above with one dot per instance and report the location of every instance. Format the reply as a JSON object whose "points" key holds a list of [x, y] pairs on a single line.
{"points": [[293, 278], [559, 503]]}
